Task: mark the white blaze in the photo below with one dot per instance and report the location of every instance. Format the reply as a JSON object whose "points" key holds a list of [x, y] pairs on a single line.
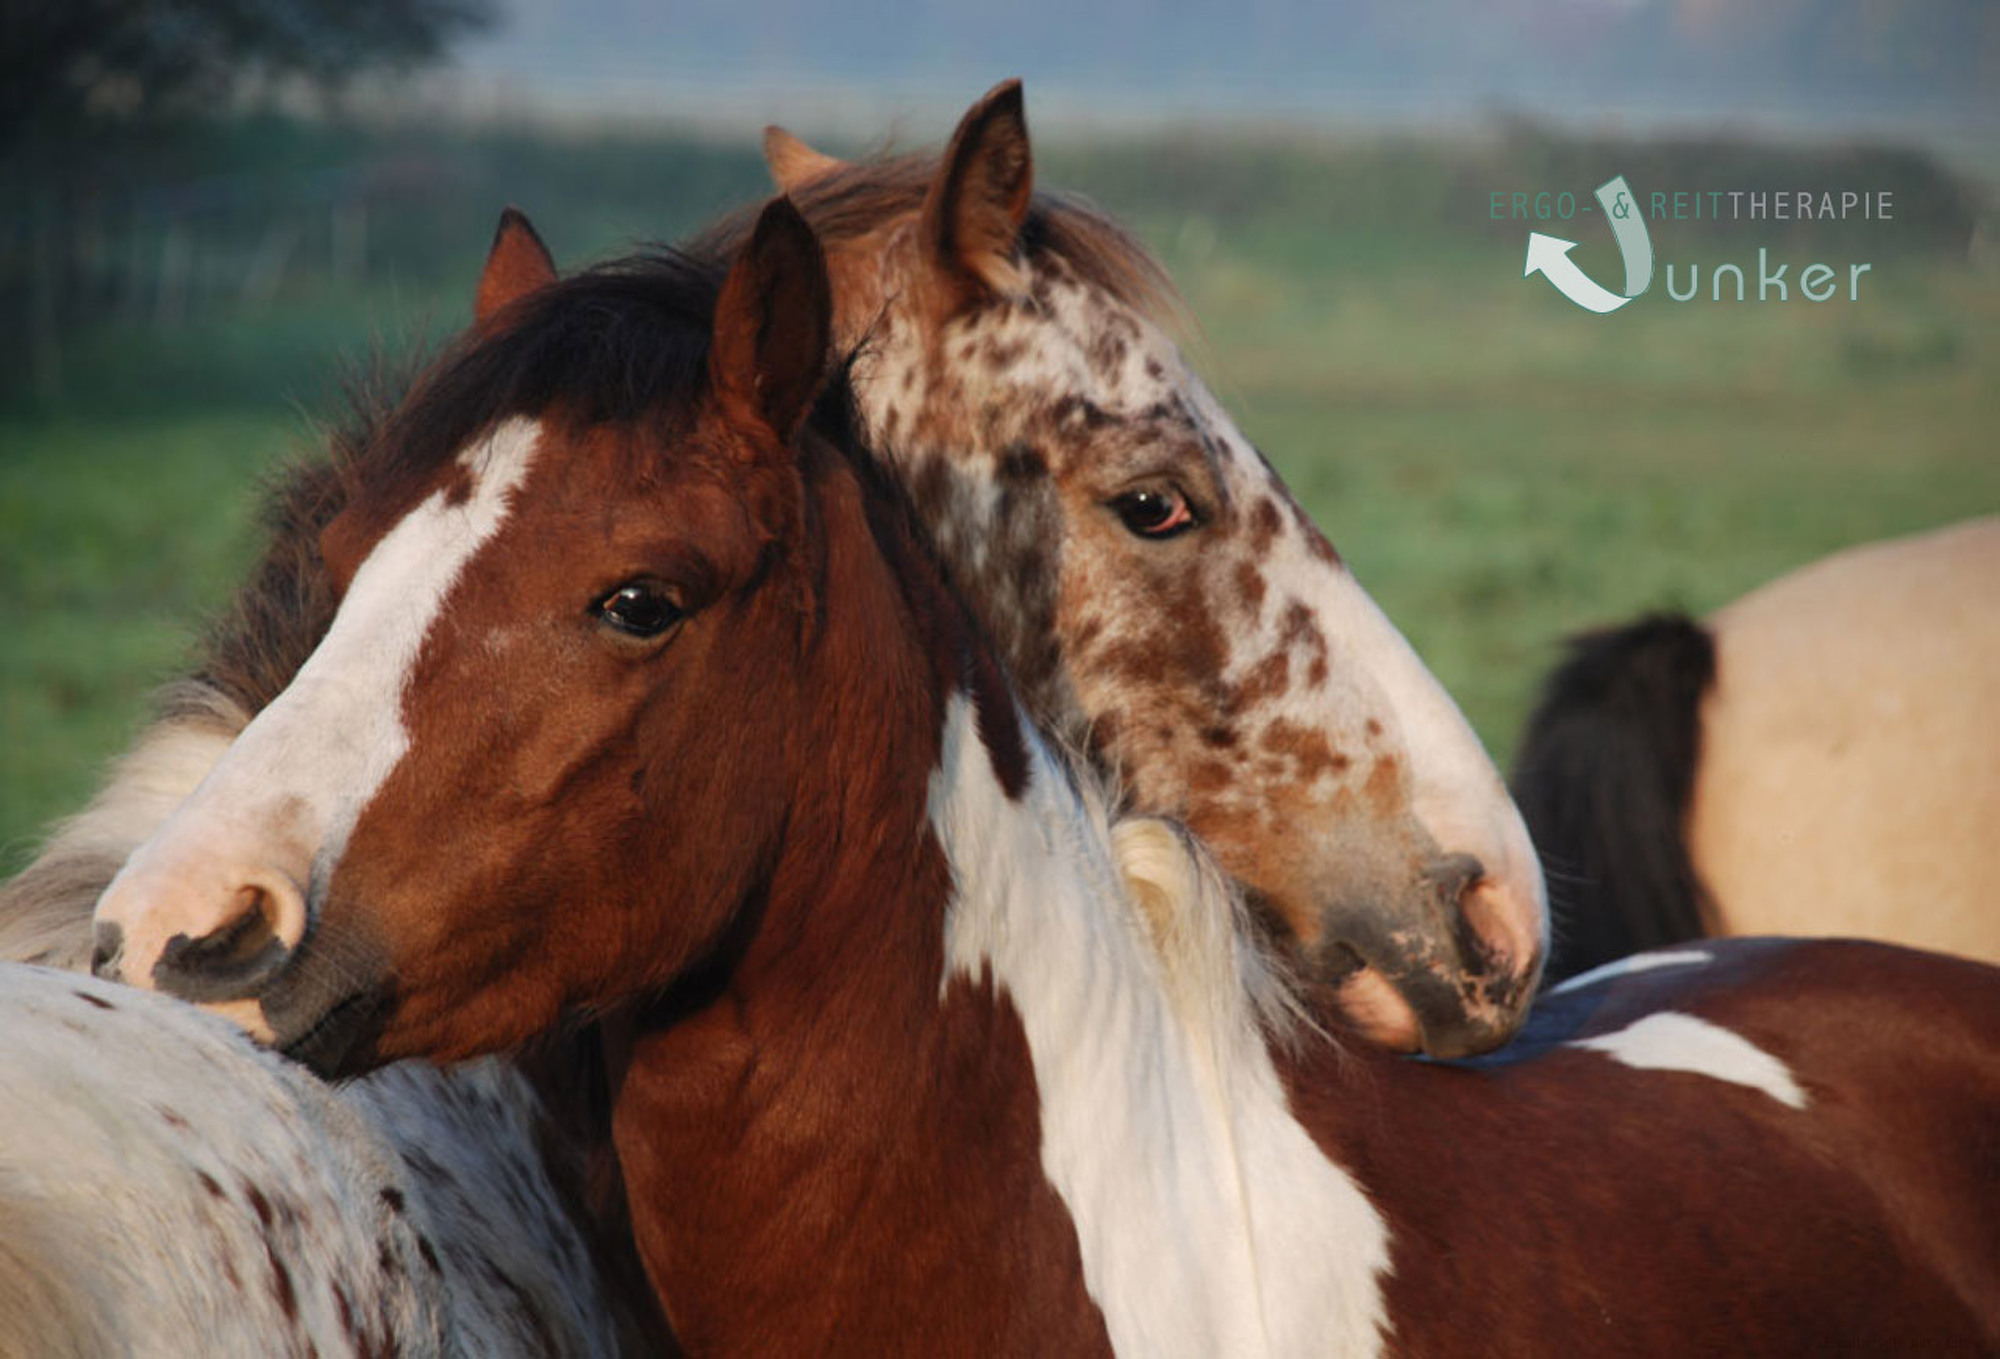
{"points": [[293, 784]]}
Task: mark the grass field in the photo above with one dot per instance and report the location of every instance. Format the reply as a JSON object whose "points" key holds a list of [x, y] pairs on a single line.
{"points": [[1498, 467]]}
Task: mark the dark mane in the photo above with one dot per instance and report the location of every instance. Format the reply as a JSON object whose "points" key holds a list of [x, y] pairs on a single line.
{"points": [[613, 343], [857, 198], [965, 657]]}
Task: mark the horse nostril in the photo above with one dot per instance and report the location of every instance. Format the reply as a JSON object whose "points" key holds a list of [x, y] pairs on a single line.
{"points": [[255, 924], [107, 950], [1454, 875], [1457, 878], [232, 960]]}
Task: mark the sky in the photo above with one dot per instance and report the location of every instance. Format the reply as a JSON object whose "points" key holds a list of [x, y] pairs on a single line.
{"points": [[1800, 66]]}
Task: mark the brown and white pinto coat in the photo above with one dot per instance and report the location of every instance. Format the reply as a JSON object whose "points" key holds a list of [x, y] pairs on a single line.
{"points": [[910, 1071]]}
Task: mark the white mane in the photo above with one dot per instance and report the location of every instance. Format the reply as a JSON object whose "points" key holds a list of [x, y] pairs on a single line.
{"points": [[1202, 1208]]}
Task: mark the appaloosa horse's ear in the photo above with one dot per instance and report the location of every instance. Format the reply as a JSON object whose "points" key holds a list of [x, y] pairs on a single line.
{"points": [[517, 264], [773, 321], [975, 208], [793, 163]]}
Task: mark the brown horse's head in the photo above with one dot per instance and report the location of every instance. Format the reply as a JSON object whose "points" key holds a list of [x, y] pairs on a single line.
{"points": [[1160, 597], [549, 747]]}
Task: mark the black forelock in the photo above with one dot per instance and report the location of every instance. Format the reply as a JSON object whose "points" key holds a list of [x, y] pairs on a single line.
{"points": [[621, 342]]}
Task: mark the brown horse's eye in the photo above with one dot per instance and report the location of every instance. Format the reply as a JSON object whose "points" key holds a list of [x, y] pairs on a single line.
{"points": [[640, 608], [1154, 511]]}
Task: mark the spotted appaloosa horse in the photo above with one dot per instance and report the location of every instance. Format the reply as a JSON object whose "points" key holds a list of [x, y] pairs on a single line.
{"points": [[1158, 595], [167, 1187], [909, 1072], [1821, 757]]}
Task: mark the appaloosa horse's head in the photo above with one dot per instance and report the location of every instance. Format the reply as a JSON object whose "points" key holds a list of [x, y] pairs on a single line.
{"points": [[1161, 599], [577, 632]]}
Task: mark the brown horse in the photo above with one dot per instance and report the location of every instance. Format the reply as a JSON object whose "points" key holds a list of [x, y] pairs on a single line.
{"points": [[1821, 757], [1161, 599], [642, 692]]}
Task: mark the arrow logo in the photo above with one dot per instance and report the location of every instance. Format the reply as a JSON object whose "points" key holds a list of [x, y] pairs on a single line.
{"points": [[1549, 255]]}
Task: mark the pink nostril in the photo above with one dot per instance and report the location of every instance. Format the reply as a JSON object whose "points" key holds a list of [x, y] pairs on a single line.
{"points": [[1457, 874], [1501, 927], [1459, 880], [276, 899], [250, 928]]}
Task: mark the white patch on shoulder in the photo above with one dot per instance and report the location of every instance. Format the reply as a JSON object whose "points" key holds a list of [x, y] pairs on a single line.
{"points": [[1208, 1220], [1679, 1042], [1638, 962]]}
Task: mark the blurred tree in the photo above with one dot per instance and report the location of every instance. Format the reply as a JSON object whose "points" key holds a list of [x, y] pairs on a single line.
{"points": [[63, 62]]}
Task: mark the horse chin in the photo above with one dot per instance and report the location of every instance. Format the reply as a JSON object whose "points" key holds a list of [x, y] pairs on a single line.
{"points": [[1417, 1005], [336, 1036], [341, 1042], [1375, 1011]]}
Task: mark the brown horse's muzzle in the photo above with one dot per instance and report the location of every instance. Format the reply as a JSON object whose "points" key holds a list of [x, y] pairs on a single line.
{"points": [[222, 921]]}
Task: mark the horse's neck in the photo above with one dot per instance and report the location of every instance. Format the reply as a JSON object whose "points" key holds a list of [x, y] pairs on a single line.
{"points": [[1164, 1126], [1021, 1098]]}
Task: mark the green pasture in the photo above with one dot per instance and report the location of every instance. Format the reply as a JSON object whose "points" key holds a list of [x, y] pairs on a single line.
{"points": [[1498, 467]]}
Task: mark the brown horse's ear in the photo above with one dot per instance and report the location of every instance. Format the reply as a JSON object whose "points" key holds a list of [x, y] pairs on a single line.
{"points": [[517, 265], [793, 163], [975, 208], [773, 322]]}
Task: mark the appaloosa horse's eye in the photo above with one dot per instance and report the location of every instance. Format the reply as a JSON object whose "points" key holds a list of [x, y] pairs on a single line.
{"points": [[640, 608], [1154, 511]]}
